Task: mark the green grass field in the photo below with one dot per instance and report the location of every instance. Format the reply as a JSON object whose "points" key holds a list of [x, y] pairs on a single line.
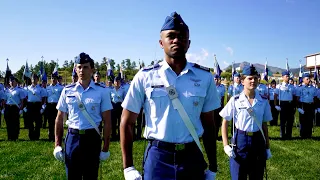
{"points": [[24, 159]]}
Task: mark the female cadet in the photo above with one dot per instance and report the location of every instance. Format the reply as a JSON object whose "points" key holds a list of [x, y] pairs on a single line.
{"points": [[250, 142], [274, 111]]}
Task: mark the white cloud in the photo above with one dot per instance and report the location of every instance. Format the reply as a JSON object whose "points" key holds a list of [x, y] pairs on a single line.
{"points": [[230, 50], [200, 58], [226, 63]]}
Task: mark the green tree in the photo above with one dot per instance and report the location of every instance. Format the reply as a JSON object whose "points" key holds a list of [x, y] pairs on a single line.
{"points": [[152, 63], [128, 64], [133, 65], [226, 75]]}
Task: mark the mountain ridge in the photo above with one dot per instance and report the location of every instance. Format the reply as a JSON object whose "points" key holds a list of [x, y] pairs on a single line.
{"points": [[272, 69]]}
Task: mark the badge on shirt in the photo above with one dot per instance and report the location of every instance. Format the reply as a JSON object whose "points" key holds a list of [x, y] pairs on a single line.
{"points": [[250, 111], [93, 108], [196, 84], [80, 105]]}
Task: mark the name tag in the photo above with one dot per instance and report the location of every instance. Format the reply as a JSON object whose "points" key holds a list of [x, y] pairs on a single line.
{"points": [[157, 86]]}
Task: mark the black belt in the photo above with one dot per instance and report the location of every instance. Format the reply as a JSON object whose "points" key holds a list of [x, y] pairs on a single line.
{"points": [[11, 105], [34, 102], [52, 103], [83, 131], [248, 133], [307, 103], [172, 146]]}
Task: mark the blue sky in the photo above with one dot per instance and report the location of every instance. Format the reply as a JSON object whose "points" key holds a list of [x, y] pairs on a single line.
{"points": [[234, 30]]}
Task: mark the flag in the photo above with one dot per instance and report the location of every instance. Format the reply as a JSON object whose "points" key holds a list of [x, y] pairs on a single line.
{"points": [[233, 71], [288, 69], [8, 74], [300, 74], [315, 74], [217, 69], [140, 65], [44, 76], [121, 72], [26, 72], [109, 69], [55, 70], [266, 70]]}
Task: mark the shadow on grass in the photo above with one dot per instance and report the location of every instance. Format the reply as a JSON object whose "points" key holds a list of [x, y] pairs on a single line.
{"points": [[317, 138]]}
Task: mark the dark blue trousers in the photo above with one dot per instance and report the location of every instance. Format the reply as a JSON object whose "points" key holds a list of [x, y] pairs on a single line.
{"points": [[306, 120], [34, 120], [115, 120], [82, 153], [286, 119], [164, 164], [12, 117], [250, 156]]}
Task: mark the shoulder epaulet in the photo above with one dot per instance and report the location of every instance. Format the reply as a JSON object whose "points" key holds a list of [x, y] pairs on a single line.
{"points": [[98, 84], [263, 97], [236, 96], [70, 85], [151, 67], [221, 85], [201, 67]]}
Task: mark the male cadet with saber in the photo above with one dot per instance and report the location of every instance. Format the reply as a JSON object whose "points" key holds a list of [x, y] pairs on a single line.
{"points": [[54, 92], [179, 99], [87, 104], [283, 102], [307, 97], [35, 107], [14, 96]]}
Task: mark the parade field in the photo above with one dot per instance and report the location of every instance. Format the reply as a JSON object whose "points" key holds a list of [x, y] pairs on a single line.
{"points": [[25, 159]]}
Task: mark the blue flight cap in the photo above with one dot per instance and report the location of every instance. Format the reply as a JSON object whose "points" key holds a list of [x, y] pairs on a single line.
{"points": [[12, 78], [174, 22], [54, 75], [216, 76], [285, 73], [83, 58], [250, 71], [305, 75], [236, 75], [97, 73]]}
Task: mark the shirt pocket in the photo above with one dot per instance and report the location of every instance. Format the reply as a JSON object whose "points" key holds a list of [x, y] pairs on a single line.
{"points": [[156, 99], [195, 104], [93, 107]]}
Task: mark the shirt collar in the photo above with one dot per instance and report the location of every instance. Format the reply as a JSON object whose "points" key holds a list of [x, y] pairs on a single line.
{"points": [[165, 67], [91, 85]]}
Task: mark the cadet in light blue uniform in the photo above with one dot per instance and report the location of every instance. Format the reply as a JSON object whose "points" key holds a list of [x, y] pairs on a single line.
{"points": [[284, 102], [14, 96], [2, 95], [125, 84], [86, 102], [236, 87], [221, 92], [250, 142], [172, 152], [307, 97], [117, 96], [35, 107], [97, 78], [54, 91], [274, 111], [262, 88]]}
